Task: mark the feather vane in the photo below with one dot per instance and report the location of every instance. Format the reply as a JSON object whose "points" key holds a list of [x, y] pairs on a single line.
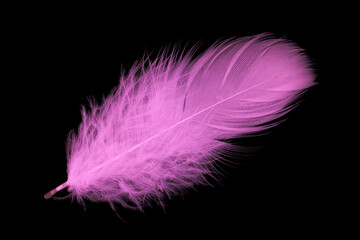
{"points": [[159, 131]]}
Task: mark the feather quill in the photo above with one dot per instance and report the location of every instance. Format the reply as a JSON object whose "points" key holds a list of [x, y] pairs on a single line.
{"points": [[159, 131]]}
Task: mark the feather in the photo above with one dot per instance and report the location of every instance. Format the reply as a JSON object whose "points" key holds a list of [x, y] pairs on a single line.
{"points": [[161, 130]]}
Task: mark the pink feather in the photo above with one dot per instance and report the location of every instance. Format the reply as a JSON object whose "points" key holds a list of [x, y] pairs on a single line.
{"points": [[158, 132]]}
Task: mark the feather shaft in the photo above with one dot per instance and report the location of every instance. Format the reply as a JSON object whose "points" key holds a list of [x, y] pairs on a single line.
{"points": [[55, 190], [171, 127], [161, 130]]}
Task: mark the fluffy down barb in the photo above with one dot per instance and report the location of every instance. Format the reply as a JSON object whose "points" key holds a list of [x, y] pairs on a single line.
{"points": [[158, 132]]}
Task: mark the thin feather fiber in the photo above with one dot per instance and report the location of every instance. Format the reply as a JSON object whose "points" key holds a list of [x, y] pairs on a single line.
{"points": [[159, 131]]}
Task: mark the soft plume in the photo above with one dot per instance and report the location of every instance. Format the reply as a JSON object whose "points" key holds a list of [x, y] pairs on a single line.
{"points": [[160, 130]]}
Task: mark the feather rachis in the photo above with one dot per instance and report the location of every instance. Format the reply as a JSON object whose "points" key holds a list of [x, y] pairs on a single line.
{"points": [[157, 132]]}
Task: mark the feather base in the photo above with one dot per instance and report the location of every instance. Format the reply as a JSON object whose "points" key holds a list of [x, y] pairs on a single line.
{"points": [[55, 190]]}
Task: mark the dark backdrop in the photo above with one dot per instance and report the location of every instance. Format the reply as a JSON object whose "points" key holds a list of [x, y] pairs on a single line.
{"points": [[77, 52]]}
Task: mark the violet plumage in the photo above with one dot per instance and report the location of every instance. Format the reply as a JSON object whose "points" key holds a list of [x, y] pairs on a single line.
{"points": [[159, 131]]}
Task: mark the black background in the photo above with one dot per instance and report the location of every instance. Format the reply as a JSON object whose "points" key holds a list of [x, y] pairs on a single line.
{"points": [[73, 52]]}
